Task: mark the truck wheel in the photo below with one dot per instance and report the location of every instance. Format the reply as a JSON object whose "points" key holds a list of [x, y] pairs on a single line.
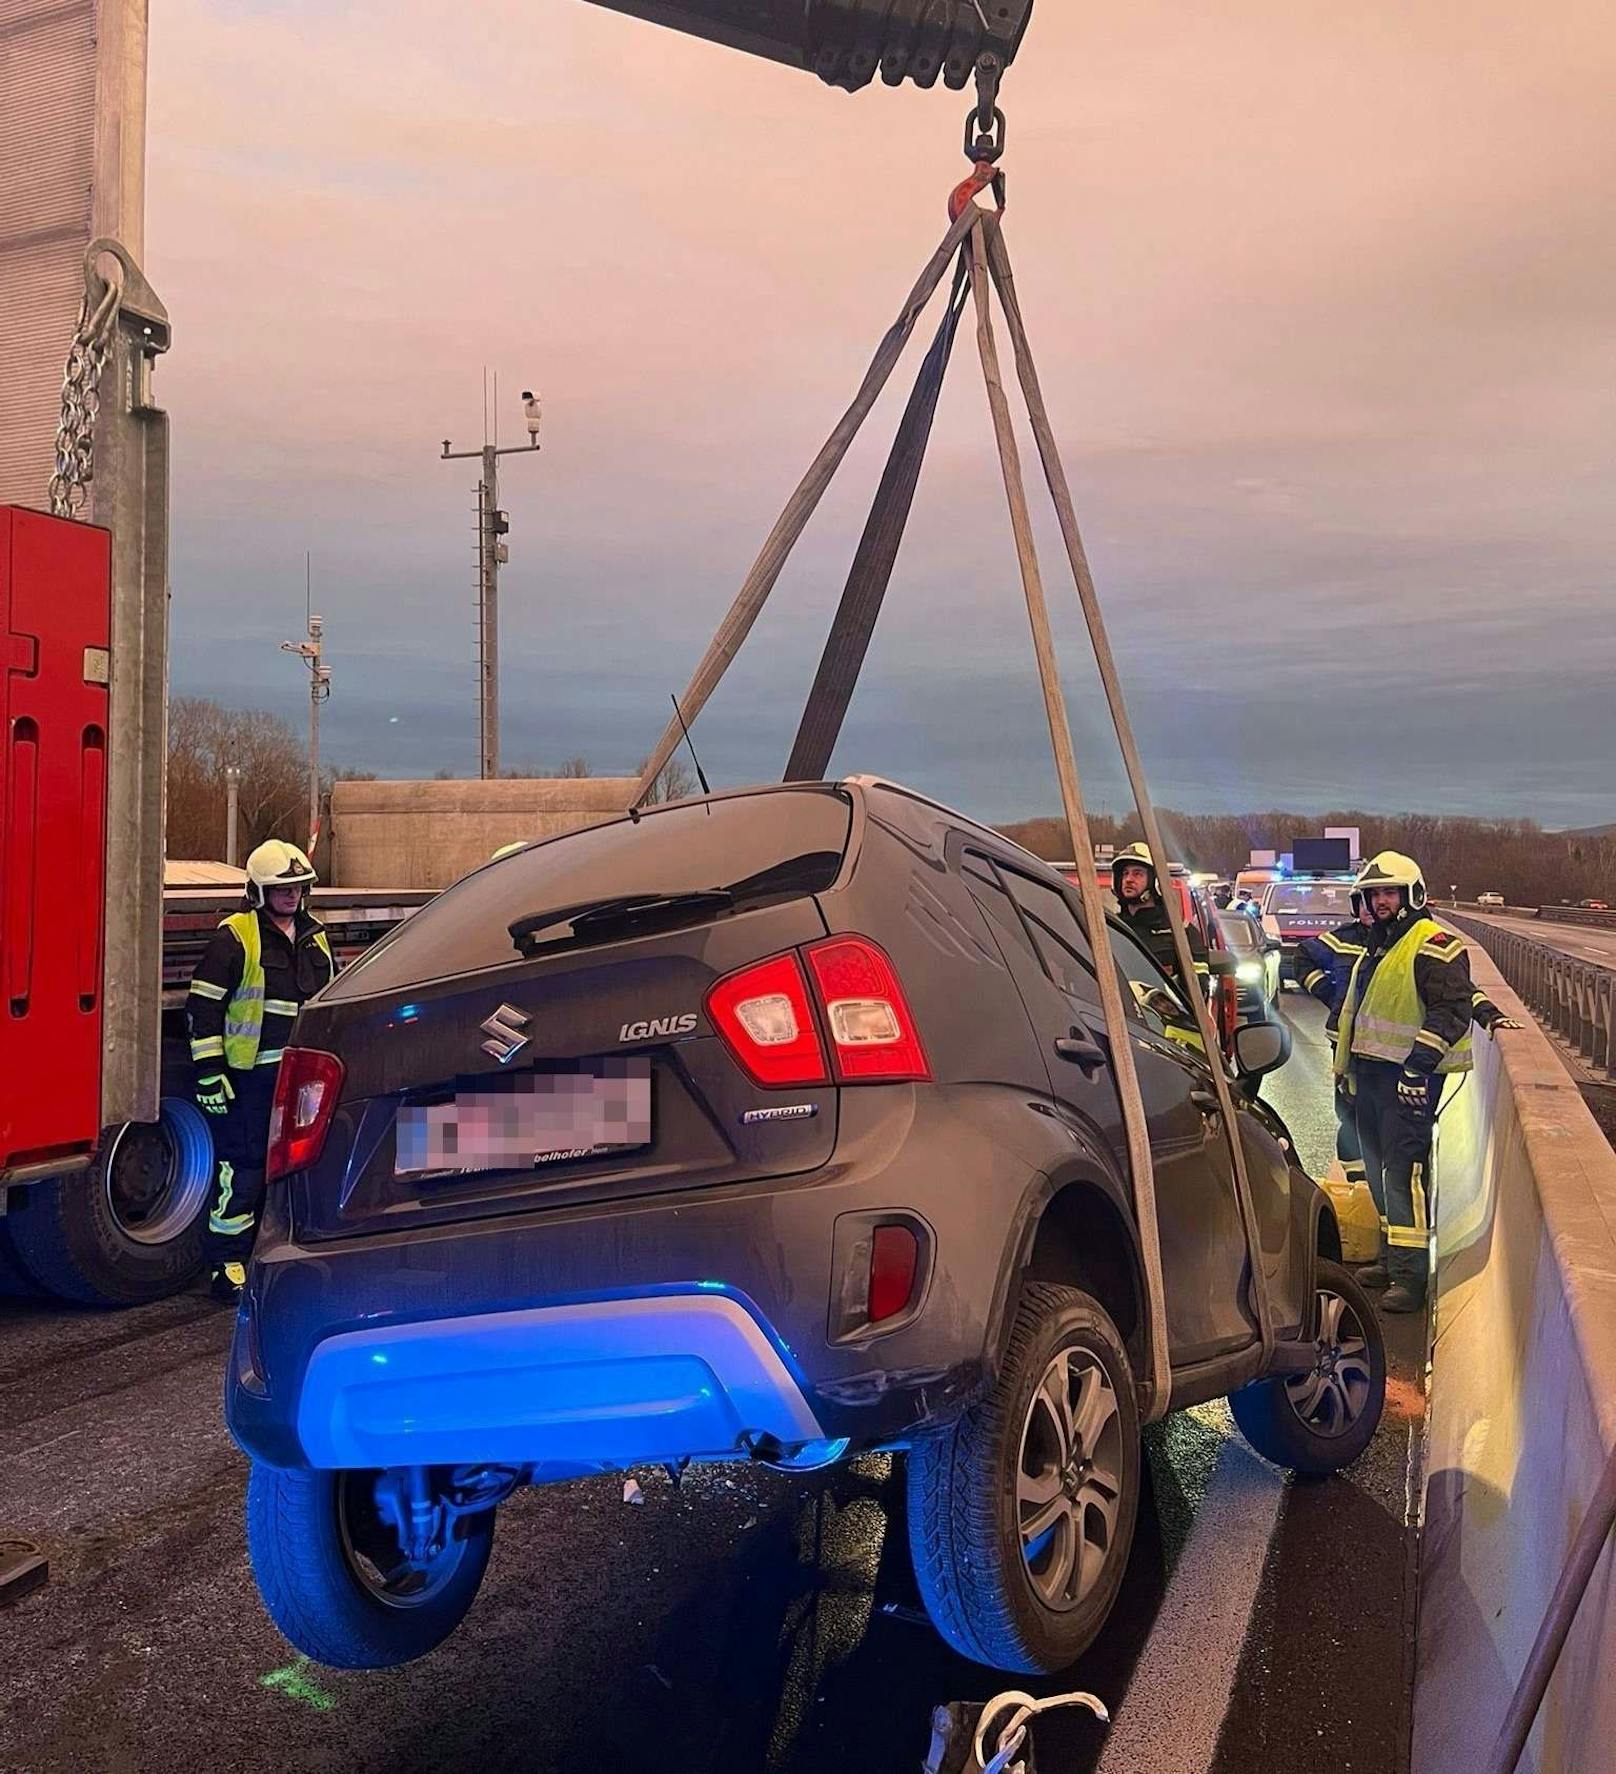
{"points": [[1022, 1512], [336, 1581], [131, 1227], [1322, 1420]]}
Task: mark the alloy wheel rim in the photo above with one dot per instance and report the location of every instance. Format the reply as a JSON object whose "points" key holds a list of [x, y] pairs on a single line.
{"points": [[1333, 1394], [1069, 1479]]}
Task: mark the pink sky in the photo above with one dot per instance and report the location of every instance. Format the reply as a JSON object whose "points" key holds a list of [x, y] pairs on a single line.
{"points": [[1323, 298]]}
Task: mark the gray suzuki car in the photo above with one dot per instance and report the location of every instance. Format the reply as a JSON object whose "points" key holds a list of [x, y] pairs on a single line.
{"points": [[777, 1125]]}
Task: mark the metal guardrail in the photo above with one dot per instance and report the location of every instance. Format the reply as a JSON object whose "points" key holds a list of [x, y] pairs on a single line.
{"points": [[1577, 999], [1550, 914]]}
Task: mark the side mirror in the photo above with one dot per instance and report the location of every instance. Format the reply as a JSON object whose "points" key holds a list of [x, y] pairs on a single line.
{"points": [[1221, 964], [1260, 1048]]}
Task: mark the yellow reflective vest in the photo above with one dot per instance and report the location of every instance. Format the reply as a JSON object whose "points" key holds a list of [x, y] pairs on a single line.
{"points": [[1390, 1020], [240, 1042]]}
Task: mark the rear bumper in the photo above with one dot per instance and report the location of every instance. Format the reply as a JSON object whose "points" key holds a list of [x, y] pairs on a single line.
{"points": [[685, 1324], [570, 1388]]}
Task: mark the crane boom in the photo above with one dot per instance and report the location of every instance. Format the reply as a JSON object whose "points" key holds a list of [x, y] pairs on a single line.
{"points": [[845, 42]]}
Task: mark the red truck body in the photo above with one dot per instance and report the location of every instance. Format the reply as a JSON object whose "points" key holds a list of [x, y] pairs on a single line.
{"points": [[55, 627]]}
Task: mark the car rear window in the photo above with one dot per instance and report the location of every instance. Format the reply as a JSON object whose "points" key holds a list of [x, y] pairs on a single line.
{"points": [[1240, 933], [1315, 899], [763, 847]]}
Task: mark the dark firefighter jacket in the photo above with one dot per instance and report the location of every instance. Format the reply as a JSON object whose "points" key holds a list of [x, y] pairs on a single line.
{"points": [[1323, 965], [1147, 923], [292, 971]]}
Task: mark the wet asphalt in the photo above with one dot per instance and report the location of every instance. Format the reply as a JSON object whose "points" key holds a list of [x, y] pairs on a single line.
{"points": [[745, 1621]]}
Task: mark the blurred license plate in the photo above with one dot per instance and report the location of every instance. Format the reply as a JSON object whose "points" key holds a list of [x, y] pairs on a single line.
{"points": [[535, 1118]]}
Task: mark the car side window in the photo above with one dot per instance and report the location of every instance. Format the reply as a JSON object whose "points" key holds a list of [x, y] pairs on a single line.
{"points": [[1159, 1006], [1056, 933], [990, 893]]}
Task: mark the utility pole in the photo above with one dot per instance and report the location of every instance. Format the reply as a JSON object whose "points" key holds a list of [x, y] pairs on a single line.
{"points": [[319, 688], [492, 554], [232, 810]]}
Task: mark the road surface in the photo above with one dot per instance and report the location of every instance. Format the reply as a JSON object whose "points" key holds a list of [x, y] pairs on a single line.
{"points": [[1587, 942], [747, 1622]]}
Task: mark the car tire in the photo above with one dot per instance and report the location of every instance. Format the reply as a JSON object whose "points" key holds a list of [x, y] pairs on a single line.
{"points": [[1323, 1420], [990, 1581], [77, 1238], [300, 1540]]}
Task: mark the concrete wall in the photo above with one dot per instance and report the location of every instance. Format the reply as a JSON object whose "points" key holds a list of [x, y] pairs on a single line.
{"points": [[1522, 1411], [427, 834], [72, 167]]}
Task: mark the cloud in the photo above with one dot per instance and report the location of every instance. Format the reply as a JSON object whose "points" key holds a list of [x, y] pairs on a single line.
{"points": [[1323, 309]]}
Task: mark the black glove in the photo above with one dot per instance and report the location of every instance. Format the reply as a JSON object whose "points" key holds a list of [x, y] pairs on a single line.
{"points": [[214, 1094], [1414, 1094]]}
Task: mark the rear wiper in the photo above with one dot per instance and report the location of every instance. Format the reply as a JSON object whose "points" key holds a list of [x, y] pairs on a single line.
{"points": [[622, 908]]}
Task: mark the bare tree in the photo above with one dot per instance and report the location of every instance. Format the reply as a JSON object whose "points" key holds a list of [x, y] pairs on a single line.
{"points": [[673, 783], [573, 769], [1515, 857], [203, 739]]}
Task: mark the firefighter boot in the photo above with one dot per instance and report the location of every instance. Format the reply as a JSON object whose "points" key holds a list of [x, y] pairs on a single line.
{"points": [[226, 1283]]}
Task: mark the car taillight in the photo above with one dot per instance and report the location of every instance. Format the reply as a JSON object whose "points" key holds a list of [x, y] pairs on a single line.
{"points": [[873, 1035], [766, 1021], [306, 1092]]}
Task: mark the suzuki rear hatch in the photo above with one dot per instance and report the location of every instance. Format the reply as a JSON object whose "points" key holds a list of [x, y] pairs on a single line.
{"points": [[544, 1031]]}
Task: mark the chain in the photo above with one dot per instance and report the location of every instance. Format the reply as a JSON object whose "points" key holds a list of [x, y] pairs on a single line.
{"points": [[81, 402]]}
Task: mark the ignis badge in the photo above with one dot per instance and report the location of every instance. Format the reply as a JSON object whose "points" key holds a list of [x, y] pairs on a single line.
{"points": [[657, 1026]]}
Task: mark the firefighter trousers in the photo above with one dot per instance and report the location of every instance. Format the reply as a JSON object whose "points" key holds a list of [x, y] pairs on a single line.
{"points": [[1396, 1142], [1348, 1148], [240, 1145]]}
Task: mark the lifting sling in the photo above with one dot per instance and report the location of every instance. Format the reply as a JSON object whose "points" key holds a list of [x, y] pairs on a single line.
{"points": [[976, 236]]}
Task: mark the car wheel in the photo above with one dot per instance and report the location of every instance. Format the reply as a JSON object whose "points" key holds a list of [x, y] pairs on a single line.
{"points": [[1322, 1420], [130, 1228], [336, 1580], [1021, 1513]]}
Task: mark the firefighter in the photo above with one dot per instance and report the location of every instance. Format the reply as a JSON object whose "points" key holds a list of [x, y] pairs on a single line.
{"points": [[1138, 891], [1403, 1026], [259, 967], [1323, 966]]}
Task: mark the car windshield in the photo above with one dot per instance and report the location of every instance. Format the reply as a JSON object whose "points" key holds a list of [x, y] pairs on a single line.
{"points": [[706, 856], [1328, 901]]}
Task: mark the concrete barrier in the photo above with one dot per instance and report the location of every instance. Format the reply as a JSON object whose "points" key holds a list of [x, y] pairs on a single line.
{"points": [[1522, 1412], [427, 834]]}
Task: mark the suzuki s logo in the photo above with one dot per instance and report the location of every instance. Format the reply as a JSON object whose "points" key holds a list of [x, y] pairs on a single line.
{"points": [[504, 1031], [657, 1026]]}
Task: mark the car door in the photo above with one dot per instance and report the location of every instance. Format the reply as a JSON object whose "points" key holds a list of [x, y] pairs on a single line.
{"points": [[1205, 1264], [1039, 926], [1048, 958]]}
